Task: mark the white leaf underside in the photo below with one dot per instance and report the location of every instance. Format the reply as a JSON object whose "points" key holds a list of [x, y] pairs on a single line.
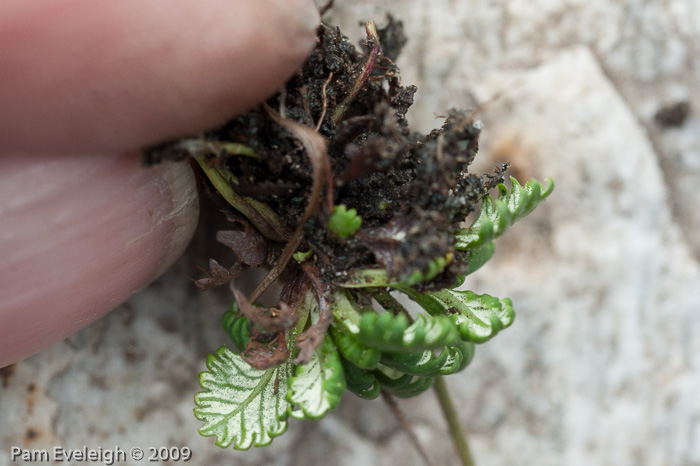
{"points": [[317, 386], [241, 405]]}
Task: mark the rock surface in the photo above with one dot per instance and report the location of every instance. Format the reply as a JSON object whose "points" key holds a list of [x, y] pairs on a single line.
{"points": [[602, 365]]}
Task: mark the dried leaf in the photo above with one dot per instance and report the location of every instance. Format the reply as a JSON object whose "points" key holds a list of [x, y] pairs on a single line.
{"points": [[263, 352], [271, 319], [312, 337], [218, 275], [248, 244]]}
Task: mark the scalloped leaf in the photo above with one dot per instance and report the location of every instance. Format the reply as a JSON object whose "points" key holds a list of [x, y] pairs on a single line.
{"points": [[435, 267], [451, 359], [241, 405], [496, 216], [389, 332], [237, 326], [344, 222], [357, 353], [359, 381], [478, 257], [317, 386], [344, 330], [405, 386], [478, 317]]}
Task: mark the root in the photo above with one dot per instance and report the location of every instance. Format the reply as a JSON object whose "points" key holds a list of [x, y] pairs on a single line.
{"points": [[315, 146], [375, 50], [325, 101]]}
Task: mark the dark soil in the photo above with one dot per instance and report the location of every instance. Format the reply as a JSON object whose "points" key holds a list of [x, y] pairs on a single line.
{"points": [[411, 190]]}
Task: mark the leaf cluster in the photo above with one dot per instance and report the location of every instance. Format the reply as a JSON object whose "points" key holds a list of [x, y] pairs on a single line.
{"points": [[497, 215], [344, 222], [359, 216], [366, 349]]}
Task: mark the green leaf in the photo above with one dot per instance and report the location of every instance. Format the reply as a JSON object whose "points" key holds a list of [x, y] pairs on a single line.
{"points": [[405, 386], [478, 317], [478, 257], [357, 353], [317, 386], [237, 326], [344, 222], [435, 267], [300, 256], [524, 199], [378, 278], [241, 405], [367, 278], [451, 359], [389, 332], [361, 382], [344, 329], [259, 213], [346, 311], [496, 216]]}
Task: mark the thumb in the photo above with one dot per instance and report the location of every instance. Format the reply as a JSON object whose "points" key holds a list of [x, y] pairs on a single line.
{"points": [[80, 234], [86, 76]]}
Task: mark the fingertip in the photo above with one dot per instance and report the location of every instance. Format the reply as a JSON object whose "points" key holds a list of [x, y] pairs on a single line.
{"points": [[81, 76]]}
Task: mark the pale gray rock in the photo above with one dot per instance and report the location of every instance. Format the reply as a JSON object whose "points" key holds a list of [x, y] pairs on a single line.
{"points": [[599, 366], [602, 364]]}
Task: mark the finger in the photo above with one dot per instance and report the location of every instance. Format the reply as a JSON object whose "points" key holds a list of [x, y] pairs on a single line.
{"points": [[86, 76], [79, 235]]}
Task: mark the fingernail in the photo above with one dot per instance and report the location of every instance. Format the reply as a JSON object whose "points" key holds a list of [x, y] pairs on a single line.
{"points": [[168, 193]]}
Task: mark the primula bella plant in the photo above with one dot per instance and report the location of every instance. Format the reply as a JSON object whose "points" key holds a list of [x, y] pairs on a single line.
{"points": [[328, 188]]}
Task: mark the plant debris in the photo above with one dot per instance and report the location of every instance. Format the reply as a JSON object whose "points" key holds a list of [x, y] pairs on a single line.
{"points": [[342, 203], [411, 191]]}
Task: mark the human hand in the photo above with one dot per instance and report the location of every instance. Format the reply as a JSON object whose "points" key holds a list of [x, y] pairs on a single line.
{"points": [[84, 84]]}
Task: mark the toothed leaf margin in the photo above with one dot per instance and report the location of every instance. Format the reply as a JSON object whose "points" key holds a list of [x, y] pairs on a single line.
{"points": [[497, 215], [240, 405], [318, 385]]}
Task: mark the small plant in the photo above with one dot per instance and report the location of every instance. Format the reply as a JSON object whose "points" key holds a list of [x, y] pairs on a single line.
{"points": [[346, 207]]}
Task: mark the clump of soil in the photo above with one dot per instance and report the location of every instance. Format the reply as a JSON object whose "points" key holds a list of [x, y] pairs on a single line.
{"points": [[410, 190]]}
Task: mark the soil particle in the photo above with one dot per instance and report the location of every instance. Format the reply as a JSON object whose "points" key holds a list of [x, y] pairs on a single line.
{"points": [[410, 190], [674, 115]]}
